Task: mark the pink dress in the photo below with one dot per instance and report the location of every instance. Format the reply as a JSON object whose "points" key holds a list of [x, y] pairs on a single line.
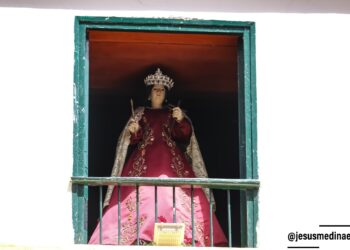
{"points": [[157, 155]]}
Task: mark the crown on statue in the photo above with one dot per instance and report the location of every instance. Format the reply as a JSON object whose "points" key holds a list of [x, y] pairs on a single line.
{"points": [[159, 78]]}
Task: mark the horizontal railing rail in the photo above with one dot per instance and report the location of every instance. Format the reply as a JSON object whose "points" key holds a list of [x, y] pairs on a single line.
{"points": [[214, 183], [226, 184]]}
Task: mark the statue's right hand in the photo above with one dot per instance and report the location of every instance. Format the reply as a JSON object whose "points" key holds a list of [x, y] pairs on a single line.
{"points": [[133, 126]]}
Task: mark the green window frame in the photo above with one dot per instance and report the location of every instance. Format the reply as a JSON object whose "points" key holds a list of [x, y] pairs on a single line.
{"points": [[246, 104]]}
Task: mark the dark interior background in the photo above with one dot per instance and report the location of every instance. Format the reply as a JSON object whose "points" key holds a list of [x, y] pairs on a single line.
{"points": [[204, 68]]}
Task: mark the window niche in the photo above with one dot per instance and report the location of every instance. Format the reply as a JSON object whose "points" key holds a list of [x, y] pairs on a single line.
{"points": [[204, 68], [213, 66]]}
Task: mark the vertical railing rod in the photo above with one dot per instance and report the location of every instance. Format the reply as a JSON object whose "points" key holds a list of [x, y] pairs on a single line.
{"points": [[155, 204], [174, 205], [229, 217], [211, 218], [100, 210], [192, 215], [137, 216], [119, 216]]}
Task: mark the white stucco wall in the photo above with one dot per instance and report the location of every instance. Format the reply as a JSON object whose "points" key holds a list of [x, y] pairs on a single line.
{"points": [[303, 87]]}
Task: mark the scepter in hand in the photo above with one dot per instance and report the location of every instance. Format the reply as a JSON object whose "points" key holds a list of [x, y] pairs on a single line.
{"points": [[132, 108]]}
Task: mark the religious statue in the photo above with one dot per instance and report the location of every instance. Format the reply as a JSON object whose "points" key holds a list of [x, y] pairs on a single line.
{"points": [[157, 130]]}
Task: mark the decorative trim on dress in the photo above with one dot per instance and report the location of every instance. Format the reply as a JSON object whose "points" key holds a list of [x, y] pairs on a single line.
{"points": [[139, 167], [177, 164], [129, 228]]}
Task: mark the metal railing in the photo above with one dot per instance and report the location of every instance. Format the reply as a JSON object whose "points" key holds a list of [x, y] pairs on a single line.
{"points": [[226, 184]]}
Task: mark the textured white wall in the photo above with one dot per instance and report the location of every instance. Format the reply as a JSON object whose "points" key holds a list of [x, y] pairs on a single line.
{"points": [[36, 83], [303, 122], [228, 6], [303, 88]]}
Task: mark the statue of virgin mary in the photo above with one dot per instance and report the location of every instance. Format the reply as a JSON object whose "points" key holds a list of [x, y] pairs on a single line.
{"points": [[157, 130]]}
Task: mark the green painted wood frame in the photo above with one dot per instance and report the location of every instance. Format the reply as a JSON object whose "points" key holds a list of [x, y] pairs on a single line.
{"points": [[247, 106]]}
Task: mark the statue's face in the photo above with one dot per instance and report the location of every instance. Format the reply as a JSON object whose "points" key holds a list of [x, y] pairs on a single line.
{"points": [[157, 95]]}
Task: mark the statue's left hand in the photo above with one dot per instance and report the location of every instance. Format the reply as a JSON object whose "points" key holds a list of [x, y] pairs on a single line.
{"points": [[178, 114]]}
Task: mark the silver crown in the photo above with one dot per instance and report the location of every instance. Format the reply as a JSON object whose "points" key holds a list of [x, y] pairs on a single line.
{"points": [[159, 78]]}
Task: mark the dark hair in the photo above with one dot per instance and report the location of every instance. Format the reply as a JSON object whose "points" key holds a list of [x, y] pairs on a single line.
{"points": [[148, 94]]}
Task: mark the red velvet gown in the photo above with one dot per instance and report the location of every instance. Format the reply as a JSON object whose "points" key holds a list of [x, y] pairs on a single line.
{"points": [[157, 155]]}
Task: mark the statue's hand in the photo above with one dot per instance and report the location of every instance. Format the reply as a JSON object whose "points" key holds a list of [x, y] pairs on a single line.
{"points": [[133, 126], [178, 114]]}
